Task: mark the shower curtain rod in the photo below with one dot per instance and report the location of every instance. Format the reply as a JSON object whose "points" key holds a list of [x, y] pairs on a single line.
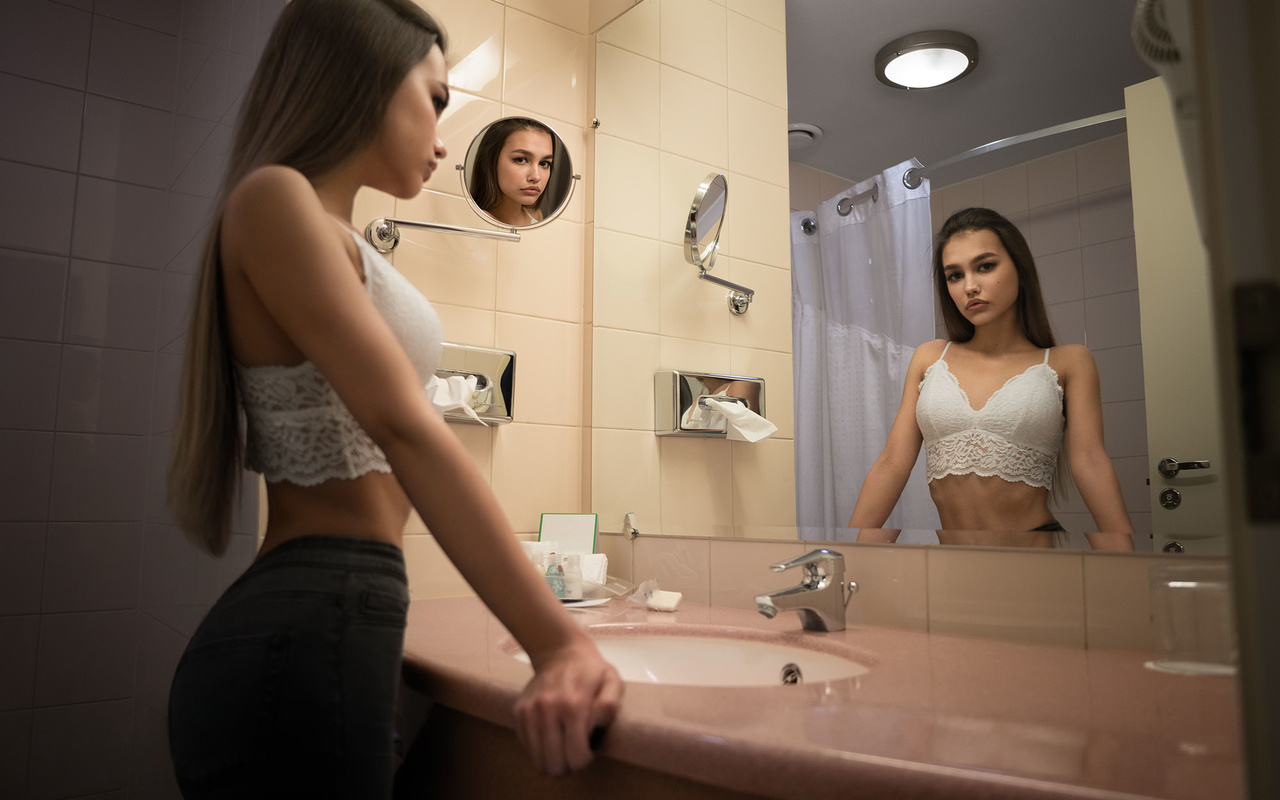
{"points": [[912, 177]]}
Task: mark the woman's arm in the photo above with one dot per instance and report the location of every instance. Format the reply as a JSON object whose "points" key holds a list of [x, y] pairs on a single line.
{"points": [[1090, 467], [887, 477], [292, 253]]}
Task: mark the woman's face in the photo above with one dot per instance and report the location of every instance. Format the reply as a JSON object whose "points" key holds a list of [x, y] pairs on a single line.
{"points": [[524, 164], [408, 147], [981, 277]]}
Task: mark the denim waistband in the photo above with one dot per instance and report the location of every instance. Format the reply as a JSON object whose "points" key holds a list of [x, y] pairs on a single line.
{"points": [[344, 552]]}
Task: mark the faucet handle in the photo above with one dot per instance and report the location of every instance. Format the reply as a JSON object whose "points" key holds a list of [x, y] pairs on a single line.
{"points": [[822, 557]]}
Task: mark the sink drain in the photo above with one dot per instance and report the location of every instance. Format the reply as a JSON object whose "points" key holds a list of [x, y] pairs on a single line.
{"points": [[791, 674]]}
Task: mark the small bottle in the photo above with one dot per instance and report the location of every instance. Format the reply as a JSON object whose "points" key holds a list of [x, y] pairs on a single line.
{"points": [[555, 574], [572, 577]]}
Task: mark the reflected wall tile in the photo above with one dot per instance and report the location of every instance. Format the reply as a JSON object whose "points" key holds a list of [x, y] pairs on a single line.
{"points": [[1113, 320], [1118, 601], [622, 370], [159, 15], [208, 94], [626, 194], [626, 282], [110, 305], [679, 565], [759, 222], [463, 120], [571, 14], [693, 38], [99, 733], [758, 139], [764, 482], [31, 303], [475, 45], [105, 391], [638, 30], [92, 567], [86, 657], [1106, 215], [42, 123], [36, 208], [431, 573], [98, 477], [757, 60], [15, 733], [151, 767], [771, 13], [21, 635], [1103, 164], [691, 308], [122, 224], [26, 467], [1061, 276], [521, 479], [627, 463], [618, 549], [544, 67], [1120, 373], [31, 370], [1052, 180], [831, 185], [697, 485], [444, 267], [207, 22], [767, 325], [189, 134], [686, 97], [542, 276], [177, 293], [549, 376], [776, 371], [22, 548], [626, 100], [1110, 267], [132, 63], [1034, 597], [159, 649], [678, 182], [202, 174], [740, 571], [126, 142], [892, 585], [1053, 228], [1006, 191], [157, 500], [46, 42], [803, 185]]}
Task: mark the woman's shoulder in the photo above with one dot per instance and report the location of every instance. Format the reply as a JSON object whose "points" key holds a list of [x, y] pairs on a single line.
{"points": [[1071, 359], [930, 352], [271, 186]]}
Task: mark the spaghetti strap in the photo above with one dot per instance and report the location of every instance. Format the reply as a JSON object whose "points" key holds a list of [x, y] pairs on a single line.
{"points": [[1046, 355], [948, 347]]}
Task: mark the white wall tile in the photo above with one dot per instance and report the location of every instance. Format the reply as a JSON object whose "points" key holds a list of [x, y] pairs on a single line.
{"points": [[764, 485], [633, 454], [21, 635], [626, 283], [36, 208], [1125, 427], [206, 89], [758, 139], [622, 370], [31, 303], [126, 142], [202, 174], [626, 192], [687, 97], [758, 222], [132, 63], [1006, 191], [767, 12], [693, 38], [692, 308], [1110, 267], [1132, 471], [86, 657], [105, 391], [98, 477], [1067, 320], [160, 647], [42, 123], [638, 30], [537, 468], [1051, 180], [1120, 373], [1103, 164], [26, 467], [697, 486], [1106, 215], [32, 374], [757, 60], [767, 324], [1061, 276], [1053, 228], [166, 390], [122, 224], [109, 305], [571, 14], [679, 565], [544, 67], [92, 567], [626, 100], [549, 373], [542, 276], [99, 733], [1112, 320], [46, 41]]}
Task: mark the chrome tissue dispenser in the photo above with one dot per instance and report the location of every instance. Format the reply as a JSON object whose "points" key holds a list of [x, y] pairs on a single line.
{"points": [[676, 394]]}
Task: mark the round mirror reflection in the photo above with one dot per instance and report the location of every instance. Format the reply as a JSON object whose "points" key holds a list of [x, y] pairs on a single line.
{"points": [[518, 173], [706, 214]]}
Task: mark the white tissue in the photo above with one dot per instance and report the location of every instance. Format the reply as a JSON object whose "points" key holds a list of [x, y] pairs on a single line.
{"points": [[595, 568], [741, 423], [454, 393]]}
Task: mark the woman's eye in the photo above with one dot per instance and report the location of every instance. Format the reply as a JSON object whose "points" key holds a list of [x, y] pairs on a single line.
{"points": [[952, 277], [987, 267], [520, 159], [545, 164], [440, 104]]}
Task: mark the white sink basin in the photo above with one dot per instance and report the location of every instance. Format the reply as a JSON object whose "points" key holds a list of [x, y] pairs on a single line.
{"points": [[717, 661]]}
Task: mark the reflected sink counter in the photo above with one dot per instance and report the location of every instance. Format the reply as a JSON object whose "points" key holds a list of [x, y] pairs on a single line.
{"points": [[934, 716]]}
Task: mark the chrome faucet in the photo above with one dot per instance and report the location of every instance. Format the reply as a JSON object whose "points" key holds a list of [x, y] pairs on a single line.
{"points": [[821, 597]]}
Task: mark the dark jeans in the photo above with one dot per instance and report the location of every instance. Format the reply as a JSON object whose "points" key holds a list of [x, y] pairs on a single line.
{"points": [[288, 687]]}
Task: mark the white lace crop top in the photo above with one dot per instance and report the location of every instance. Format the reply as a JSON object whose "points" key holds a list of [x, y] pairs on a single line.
{"points": [[1014, 436], [298, 430]]}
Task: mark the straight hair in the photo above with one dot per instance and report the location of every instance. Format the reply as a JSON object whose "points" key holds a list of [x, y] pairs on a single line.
{"points": [[318, 96], [484, 177]]}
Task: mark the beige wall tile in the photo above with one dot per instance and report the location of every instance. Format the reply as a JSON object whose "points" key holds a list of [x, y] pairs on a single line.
{"points": [[962, 195], [1052, 179], [740, 571], [475, 44], [542, 274], [892, 585], [536, 468], [691, 308], [571, 14], [772, 13], [759, 220], [466, 115], [628, 468], [431, 573], [678, 182], [697, 486], [767, 323], [627, 95], [548, 368], [757, 60], [1103, 165], [803, 185], [464, 325], [679, 565], [625, 191], [764, 482], [618, 549], [693, 37], [695, 356], [602, 12], [1035, 597], [1118, 600], [694, 117], [446, 268], [622, 367], [758, 139], [637, 30], [371, 204], [1006, 191], [831, 185], [544, 67], [627, 289], [775, 369]]}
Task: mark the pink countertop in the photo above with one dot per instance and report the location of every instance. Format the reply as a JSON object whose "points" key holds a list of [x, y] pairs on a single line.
{"points": [[936, 716]]}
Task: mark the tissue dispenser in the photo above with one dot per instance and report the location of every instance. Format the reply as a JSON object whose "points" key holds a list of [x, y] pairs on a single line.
{"points": [[676, 394], [495, 372]]}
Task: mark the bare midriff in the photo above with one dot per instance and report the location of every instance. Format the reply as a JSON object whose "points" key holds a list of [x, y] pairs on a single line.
{"points": [[372, 506], [975, 502]]}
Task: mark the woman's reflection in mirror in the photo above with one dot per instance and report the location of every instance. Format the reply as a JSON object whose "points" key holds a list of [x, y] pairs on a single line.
{"points": [[1006, 416], [512, 171]]}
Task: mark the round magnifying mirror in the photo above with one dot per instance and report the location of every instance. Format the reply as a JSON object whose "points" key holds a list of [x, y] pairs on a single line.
{"points": [[702, 232], [518, 173]]}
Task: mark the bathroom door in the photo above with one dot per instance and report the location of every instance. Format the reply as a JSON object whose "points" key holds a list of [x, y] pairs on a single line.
{"points": [[1180, 372]]}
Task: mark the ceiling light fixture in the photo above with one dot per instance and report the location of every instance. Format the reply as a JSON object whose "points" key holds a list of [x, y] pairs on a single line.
{"points": [[927, 59], [801, 135]]}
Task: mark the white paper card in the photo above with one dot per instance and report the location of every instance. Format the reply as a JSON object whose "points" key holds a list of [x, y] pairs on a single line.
{"points": [[576, 533]]}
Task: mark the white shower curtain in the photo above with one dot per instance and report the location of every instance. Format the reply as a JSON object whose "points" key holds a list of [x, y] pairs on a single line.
{"points": [[862, 302]]}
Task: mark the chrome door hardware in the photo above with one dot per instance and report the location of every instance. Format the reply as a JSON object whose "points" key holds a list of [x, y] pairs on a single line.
{"points": [[1170, 499], [1173, 547], [1170, 467]]}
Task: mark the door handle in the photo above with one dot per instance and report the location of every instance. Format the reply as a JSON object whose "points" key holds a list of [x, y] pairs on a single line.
{"points": [[1169, 467]]}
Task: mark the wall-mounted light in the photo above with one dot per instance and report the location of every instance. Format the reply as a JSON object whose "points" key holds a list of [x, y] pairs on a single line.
{"points": [[927, 59]]}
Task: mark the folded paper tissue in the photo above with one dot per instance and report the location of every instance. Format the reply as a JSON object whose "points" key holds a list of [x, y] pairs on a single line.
{"points": [[454, 393], [741, 423]]}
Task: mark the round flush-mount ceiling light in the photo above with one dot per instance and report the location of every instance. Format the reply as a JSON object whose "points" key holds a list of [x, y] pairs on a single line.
{"points": [[801, 135], [927, 59]]}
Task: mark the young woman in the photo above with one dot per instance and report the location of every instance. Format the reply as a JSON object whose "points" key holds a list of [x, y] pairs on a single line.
{"points": [[995, 406], [288, 686], [512, 169]]}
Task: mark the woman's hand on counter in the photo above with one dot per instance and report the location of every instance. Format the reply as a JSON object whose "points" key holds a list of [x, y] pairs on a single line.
{"points": [[574, 691]]}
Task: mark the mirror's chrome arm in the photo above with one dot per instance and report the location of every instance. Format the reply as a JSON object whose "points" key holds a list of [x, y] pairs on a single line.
{"points": [[739, 296], [384, 233]]}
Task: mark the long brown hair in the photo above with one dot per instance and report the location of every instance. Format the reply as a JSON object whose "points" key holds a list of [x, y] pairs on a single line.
{"points": [[318, 96], [1033, 317], [484, 176]]}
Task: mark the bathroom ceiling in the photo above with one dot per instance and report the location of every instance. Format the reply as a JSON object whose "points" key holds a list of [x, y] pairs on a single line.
{"points": [[1041, 63]]}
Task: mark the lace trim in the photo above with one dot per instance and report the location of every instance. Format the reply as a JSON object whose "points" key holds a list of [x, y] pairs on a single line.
{"points": [[981, 453]]}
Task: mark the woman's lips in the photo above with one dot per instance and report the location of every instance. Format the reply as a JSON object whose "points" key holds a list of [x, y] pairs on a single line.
{"points": [[975, 304]]}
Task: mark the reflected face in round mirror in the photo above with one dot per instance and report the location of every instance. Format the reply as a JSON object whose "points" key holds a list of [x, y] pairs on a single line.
{"points": [[518, 173]]}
